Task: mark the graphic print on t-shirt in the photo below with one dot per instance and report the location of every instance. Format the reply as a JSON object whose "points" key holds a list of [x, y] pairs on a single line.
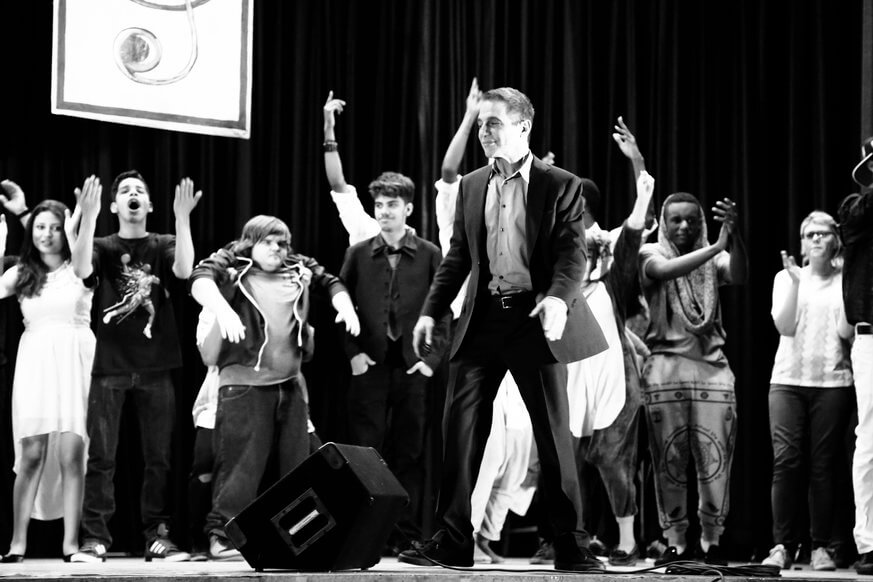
{"points": [[135, 288]]}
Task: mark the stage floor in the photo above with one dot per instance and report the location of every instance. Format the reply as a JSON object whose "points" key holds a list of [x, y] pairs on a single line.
{"points": [[388, 570]]}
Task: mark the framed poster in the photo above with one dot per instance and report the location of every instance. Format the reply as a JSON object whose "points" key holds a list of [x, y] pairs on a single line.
{"points": [[183, 65]]}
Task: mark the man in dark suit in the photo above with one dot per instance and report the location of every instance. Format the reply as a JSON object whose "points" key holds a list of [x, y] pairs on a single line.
{"points": [[388, 277], [518, 232]]}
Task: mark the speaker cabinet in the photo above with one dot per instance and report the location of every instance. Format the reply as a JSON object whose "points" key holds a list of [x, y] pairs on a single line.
{"points": [[332, 512]]}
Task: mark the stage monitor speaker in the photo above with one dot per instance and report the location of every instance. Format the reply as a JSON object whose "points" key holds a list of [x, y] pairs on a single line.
{"points": [[333, 512]]}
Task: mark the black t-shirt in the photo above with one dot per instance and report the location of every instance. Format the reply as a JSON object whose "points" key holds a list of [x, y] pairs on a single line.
{"points": [[133, 287]]}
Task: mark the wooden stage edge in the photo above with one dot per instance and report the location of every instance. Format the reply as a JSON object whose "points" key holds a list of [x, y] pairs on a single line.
{"points": [[388, 570]]}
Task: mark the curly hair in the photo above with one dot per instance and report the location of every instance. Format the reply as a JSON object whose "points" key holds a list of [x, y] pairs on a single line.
{"points": [[257, 229], [32, 271], [392, 185]]}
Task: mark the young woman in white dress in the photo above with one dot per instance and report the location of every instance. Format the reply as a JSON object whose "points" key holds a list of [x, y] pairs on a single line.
{"points": [[52, 376]]}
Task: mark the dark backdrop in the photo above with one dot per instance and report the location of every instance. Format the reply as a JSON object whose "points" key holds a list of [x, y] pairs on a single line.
{"points": [[760, 101]]}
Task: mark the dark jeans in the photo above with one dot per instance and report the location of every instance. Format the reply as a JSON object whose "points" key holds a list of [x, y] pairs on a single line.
{"points": [[388, 411], [801, 417], [251, 424], [155, 405], [200, 486]]}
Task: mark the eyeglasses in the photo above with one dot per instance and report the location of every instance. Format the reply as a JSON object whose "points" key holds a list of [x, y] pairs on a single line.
{"points": [[811, 234]]}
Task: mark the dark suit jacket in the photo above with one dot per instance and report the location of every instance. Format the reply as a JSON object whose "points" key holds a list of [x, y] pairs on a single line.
{"points": [[367, 274], [556, 242]]}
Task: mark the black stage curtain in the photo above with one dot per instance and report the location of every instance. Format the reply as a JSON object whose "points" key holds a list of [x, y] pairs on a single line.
{"points": [[756, 100]]}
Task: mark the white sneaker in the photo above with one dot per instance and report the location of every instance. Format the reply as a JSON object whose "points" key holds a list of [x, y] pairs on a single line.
{"points": [[821, 560], [220, 550], [778, 557]]}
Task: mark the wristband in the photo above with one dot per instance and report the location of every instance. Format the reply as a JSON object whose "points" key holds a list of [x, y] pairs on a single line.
{"points": [[23, 213], [329, 146]]}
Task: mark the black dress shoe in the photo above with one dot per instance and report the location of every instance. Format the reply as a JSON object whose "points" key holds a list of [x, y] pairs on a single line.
{"points": [[440, 549], [864, 565], [571, 556], [671, 554], [12, 559], [715, 556]]}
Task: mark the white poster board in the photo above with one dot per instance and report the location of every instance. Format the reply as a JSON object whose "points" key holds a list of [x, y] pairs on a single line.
{"points": [[184, 65]]}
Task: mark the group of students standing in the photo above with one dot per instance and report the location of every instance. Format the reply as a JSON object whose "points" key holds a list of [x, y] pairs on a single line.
{"points": [[529, 299]]}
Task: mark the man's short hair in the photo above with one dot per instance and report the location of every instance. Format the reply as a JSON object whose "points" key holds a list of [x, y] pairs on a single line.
{"points": [[516, 101], [124, 176], [392, 185], [591, 193]]}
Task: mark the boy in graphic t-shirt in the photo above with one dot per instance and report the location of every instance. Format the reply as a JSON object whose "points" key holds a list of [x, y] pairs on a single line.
{"points": [[137, 346]]}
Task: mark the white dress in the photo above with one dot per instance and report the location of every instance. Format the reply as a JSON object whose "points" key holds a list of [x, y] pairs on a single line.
{"points": [[53, 376]]}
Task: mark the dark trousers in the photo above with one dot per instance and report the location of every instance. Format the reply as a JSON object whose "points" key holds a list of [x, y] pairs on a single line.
{"points": [[155, 404], [251, 424], [388, 411], [200, 487], [499, 340], [816, 418]]}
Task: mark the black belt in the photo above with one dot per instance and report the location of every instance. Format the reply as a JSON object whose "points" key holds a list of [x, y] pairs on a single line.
{"points": [[523, 300], [863, 329]]}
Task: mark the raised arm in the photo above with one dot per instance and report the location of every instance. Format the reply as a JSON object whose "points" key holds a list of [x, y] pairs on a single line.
{"points": [[88, 199], [14, 201], [183, 204], [645, 189], [455, 151], [627, 143], [447, 186], [333, 166], [725, 212]]}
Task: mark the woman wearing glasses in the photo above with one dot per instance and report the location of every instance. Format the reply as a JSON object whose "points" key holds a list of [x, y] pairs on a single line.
{"points": [[811, 392]]}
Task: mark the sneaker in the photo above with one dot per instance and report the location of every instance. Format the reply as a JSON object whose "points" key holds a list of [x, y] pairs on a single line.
{"points": [[821, 560], [220, 550], [779, 556], [621, 558], [545, 554], [864, 565], [90, 552], [161, 547]]}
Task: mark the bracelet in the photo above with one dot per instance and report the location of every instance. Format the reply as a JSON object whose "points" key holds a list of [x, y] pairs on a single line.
{"points": [[329, 146], [24, 212]]}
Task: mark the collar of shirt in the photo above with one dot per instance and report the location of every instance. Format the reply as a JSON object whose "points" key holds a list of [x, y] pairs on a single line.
{"points": [[523, 171], [408, 245]]}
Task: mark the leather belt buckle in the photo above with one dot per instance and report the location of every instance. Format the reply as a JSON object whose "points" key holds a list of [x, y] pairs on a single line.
{"points": [[863, 329], [505, 301]]}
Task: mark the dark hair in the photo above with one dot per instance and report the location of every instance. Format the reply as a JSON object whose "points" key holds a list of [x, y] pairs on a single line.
{"points": [[392, 185], [123, 176], [591, 193], [516, 101], [257, 229], [32, 272]]}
